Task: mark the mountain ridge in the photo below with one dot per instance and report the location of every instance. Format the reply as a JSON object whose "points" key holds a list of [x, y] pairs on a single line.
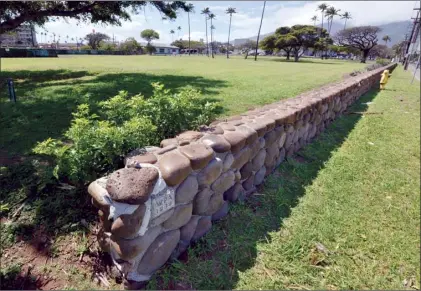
{"points": [[395, 30]]}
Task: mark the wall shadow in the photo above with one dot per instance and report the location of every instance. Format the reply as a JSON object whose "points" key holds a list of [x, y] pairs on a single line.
{"points": [[303, 61], [47, 98], [231, 246]]}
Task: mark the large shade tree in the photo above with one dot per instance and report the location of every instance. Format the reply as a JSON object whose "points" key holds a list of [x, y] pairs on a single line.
{"points": [[15, 13], [247, 47], [130, 45], [149, 35], [95, 39], [297, 40], [363, 38]]}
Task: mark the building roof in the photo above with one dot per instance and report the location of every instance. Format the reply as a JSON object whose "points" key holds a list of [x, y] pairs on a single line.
{"points": [[160, 45]]}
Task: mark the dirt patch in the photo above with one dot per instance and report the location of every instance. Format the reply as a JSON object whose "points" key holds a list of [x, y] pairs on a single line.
{"points": [[44, 263]]}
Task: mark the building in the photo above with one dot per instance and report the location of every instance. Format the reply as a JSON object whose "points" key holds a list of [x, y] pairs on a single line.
{"points": [[23, 36], [163, 49]]}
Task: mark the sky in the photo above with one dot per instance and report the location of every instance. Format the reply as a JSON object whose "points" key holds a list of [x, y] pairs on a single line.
{"points": [[245, 23]]}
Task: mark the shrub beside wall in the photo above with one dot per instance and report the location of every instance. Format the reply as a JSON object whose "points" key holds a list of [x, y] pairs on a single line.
{"points": [[97, 143], [166, 198]]}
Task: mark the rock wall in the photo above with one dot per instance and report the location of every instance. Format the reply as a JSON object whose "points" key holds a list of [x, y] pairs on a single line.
{"points": [[166, 198]]}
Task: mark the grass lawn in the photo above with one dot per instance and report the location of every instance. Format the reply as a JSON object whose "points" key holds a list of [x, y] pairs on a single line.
{"points": [[49, 90], [342, 214]]}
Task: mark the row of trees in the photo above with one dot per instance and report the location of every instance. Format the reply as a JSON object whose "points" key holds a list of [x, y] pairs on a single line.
{"points": [[296, 40]]}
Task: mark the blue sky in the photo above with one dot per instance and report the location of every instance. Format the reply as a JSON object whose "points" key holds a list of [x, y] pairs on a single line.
{"points": [[245, 23]]}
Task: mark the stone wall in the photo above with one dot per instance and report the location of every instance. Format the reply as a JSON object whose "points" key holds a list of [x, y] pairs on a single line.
{"points": [[166, 198]]}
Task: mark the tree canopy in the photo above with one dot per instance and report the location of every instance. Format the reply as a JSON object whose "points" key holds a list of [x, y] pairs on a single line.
{"points": [[130, 45], [149, 35], [296, 40], [363, 38], [94, 39], [247, 47], [15, 13], [183, 44], [381, 51]]}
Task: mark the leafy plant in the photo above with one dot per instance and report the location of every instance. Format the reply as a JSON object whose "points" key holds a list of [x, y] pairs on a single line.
{"points": [[97, 143], [382, 62]]}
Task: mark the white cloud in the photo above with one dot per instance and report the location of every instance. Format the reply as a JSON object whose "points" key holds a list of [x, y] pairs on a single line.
{"points": [[245, 23], [363, 13]]}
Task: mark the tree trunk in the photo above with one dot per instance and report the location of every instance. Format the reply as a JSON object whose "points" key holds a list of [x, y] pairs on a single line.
{"points": [[322, 31], [247, 54], [213, 56], [188, 16], [229, 31], [296, 56], [345, 23], [288, 53], [258, 35], [364, 56], [207, 42]]}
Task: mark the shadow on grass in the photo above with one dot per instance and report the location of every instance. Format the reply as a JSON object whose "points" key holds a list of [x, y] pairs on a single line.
{"points": [[231, 247], [304, 61], [47, 98]]}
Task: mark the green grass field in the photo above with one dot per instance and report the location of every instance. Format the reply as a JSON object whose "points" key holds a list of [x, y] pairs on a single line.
{"points": [[49, 90], [341, 214]]}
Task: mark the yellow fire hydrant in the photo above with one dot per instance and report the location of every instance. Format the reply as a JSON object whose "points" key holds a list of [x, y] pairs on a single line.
{"points": [[385, 77]]}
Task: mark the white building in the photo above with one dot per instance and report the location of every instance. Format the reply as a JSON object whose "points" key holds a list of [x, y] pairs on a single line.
{"points": [[163, 49], [23, 36]]}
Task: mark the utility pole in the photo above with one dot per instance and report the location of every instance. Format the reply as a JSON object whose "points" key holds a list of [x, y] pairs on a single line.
{"points": [[413, 37], [260, 27]]}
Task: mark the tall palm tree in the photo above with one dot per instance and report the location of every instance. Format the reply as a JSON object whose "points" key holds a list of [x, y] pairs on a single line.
{"points": [[258, 34], [206, 12], [346, 16], [189, 9], [330, 13], [211, 17], [229, 11], [386, 39], [322, 7], [314, 19], [172, 34], [179, 29]]}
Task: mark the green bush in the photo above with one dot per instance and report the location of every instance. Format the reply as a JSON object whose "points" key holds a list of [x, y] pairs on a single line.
{"points": [[97, 143], [382, 62]]}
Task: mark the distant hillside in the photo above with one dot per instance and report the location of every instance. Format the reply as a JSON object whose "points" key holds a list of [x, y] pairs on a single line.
{"points": [[396, 31]]}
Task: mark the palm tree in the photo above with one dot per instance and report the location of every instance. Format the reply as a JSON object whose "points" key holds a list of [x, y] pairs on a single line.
{"points": [[229, 11], [330, 13], [179, 29], [322, 7], [67, 37], [206, 12], [346, 16], [172, 34], [314, 19], [260, 27], [386, 39], [189, 9], [211, 17]]}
